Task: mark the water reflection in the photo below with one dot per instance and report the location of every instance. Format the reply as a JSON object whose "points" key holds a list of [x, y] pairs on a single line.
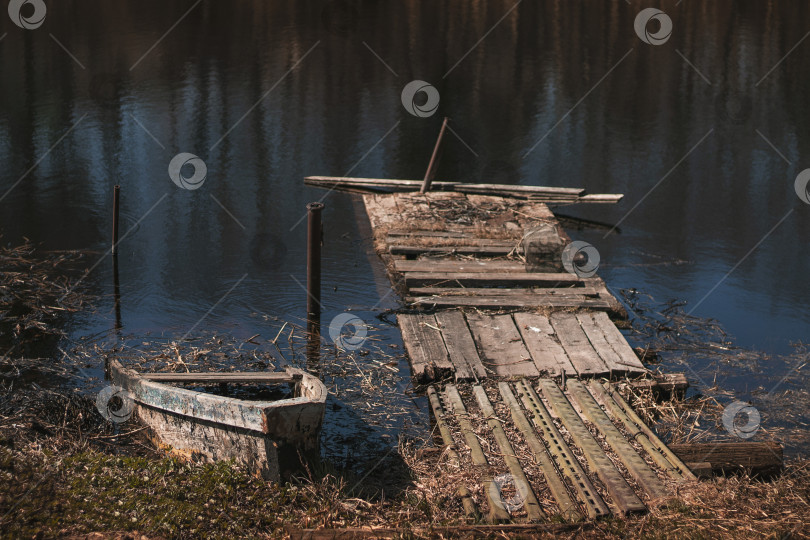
{"points": [[267, 93]]}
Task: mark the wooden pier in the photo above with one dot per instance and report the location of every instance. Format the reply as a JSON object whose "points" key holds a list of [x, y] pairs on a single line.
{"points": [[517, 354], [488, 302]]}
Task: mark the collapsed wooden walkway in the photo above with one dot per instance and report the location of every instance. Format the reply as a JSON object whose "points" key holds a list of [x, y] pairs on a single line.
{"points": [[534, 450]]}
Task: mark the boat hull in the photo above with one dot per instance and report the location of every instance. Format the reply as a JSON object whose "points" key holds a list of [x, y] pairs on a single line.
{"points": [[267, 437]]}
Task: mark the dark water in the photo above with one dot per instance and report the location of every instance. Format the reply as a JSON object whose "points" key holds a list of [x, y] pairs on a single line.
{"points": [[556, 93]]}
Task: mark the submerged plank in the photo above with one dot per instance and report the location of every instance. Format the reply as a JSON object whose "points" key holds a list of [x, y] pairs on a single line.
{"points": [[620, 491], [501, 345], [538, 335]]}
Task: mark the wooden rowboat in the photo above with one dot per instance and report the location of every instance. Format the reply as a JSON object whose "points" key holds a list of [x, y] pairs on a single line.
{"points": [[264, 436]]}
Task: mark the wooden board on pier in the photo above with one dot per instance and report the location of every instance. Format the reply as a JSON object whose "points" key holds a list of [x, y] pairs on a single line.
{"points": [[474, 346]]}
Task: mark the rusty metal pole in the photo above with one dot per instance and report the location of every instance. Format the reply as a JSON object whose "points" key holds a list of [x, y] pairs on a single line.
{"points": [[434, 159], [116, 191], [314, 242]]}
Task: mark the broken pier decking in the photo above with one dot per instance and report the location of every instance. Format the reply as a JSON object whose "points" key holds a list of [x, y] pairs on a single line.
{"points": [[558, 452], [461, 256]]}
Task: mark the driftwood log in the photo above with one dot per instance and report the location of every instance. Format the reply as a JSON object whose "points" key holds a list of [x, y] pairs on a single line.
{"points": [[761, 458]]}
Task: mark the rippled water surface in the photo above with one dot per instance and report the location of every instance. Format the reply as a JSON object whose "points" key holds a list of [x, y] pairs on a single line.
{"points": [[704, 135]]}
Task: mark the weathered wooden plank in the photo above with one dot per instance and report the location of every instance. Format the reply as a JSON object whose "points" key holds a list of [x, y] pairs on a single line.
{"points": [[418, 233], [501, 345], [636, 466], [547, 354], [656, 449], [522, 485], [620, 491], [231, 377], [425, 346], [460, 345], [560, 453], [579, 350], [415, 185], [567, 505], [482, 250], [416, 242], [439, 415], [478, 279], [473, 291], [497, 507], [474, 265], [618, 343], [759, 457], [665, 383], [512, 301]]}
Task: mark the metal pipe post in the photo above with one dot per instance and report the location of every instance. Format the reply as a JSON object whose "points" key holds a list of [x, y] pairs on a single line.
{"points": [[314, 242], [116, 191]]}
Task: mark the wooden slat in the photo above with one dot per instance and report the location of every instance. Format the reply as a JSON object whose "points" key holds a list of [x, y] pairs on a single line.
{"points": [[497, 508], [522, 485], [513, 301], [478, 279], [233, 377], [644, 428], [547, 354], [486, 251], [567, 505], [645, 437], [636, 466], [432, 266], [417, 184], [460, 345], [579, 350], [620, 491], [439, 415], [618, 342], [434, 241], [426, 350], [501, 345], [560, 453], [598, 339], [475, 291]]}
